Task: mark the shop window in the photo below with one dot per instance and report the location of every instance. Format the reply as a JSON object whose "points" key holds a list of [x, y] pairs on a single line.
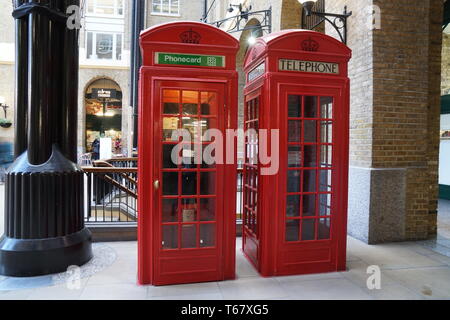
{"points": [[104, 46], [105, 7]]}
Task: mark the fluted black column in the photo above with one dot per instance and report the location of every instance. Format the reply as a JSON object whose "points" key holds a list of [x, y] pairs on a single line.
{"points": [[44, 207]]}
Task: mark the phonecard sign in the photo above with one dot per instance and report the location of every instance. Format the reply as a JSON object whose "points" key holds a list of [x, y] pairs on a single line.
{"points": [[197, 60]]}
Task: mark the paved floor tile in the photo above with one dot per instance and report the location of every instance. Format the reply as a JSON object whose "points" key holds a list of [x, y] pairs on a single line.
{"points": [[253, 289], [114, 292], [206, 288]]}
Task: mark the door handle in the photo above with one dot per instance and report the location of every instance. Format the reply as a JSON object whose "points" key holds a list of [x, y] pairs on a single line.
{"points": [[156, 184]]}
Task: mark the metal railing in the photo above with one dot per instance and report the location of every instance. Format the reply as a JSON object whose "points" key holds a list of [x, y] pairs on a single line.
{"points": [[111, 191]]}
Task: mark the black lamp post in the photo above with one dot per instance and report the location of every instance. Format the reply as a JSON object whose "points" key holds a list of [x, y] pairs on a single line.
{"points": [[44, 187], [338, 21]]}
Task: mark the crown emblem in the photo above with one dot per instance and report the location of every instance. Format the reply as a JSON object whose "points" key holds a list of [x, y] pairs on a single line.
{"points": [[310, 45], [190, 37]]}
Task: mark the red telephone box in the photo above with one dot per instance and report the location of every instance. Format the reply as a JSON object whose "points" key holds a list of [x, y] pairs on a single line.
{"points": [[186, 225], [295, 220]]}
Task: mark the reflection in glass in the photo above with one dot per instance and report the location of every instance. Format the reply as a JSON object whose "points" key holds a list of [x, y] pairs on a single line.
{"points": [[208, 103], [325, 204], [192, 125], [311, 107], [310, 131], [294, 130], [207, 183], [325, 180], [170, 237], [310, 156], [189, 210], [190, 97], [167, 156], [294, 156], [189, 183], [209, 155], [326, 155], [308, 229], [190, 109], [208, 209], [294, 106], [309, 181], [293, 181], [188, 236], [309, 205], [170, 183], [171, 100], [323, 229], [326, 107], [293, 206], [207, 235], [326, 131], [292, 230], [170, 124], [205, 124], [169, 210]]}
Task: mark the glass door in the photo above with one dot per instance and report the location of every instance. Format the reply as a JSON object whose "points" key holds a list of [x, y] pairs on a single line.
{"points": [[191, 181], [309, 168]]}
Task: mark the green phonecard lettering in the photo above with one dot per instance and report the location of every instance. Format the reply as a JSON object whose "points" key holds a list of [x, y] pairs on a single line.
{"points": [[190, 60]]}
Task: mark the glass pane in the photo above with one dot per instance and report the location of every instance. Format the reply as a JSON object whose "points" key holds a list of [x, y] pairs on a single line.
{"points": [[165, 6], [325, 180], [104, 46], [323, 229], [170, 237], [311, 107], [206, 124], [190, 109], [208, 103], [170, 183], [325, 204], [89, 45], [310, 131], [326, 131], [189, 210], [293, 181], [308, 229], [171, 99], [310, 156], [294, 130], [169, 210], [209, 154], [326, 107], [326, 156], [293, 206], [190, 97], [208, 209], [294, 106], [207, 183], [294, 156], [119, 47], [189, 183], [309, 205], [188, 236], [207, 235], [167, 156], [192, 125], [309, 181], [170, 126], [292, 230]]}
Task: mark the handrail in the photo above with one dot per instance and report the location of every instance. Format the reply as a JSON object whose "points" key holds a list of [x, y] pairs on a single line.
{"points": [[106, 170]]}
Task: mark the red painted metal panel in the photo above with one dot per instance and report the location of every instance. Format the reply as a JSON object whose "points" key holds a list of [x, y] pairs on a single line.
{"points": [[302, 209], [186, 229]]}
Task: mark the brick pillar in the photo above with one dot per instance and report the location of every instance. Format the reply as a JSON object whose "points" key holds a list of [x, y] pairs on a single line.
{"points": [[395, 93]]}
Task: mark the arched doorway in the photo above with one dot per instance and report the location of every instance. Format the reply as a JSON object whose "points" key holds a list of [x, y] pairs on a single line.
{"points": [[103, 106]]}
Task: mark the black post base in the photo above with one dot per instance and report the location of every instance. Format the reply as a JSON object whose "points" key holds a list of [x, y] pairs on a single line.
{"points": [[27, 258]]}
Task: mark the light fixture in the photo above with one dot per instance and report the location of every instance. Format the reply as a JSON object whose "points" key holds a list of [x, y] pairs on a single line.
{"points": [[251, 40], [307, 6], [338, 22]]}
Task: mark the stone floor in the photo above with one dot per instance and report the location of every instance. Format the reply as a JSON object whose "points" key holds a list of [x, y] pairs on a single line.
{"points": [[409, 270]]}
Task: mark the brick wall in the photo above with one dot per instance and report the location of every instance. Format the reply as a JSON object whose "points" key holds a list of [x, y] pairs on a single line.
{"points": [[395, 74]]}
